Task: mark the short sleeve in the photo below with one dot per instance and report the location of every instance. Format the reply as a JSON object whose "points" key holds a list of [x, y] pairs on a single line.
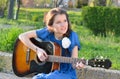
{"points": [[42, 33], [74, 41]]}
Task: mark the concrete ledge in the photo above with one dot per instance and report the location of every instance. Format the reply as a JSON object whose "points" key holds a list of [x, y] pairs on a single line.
{"points": [[98, 73], [86, 73]]}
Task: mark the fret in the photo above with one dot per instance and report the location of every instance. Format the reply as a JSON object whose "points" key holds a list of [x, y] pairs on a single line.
{"points": [[52, 58]]}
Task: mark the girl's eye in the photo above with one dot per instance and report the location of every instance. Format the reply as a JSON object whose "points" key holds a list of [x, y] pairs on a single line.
{"points": [[58, 22], [65, 20]]}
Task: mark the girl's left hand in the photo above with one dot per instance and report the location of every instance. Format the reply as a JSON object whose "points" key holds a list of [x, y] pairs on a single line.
{"points": [[78, 65]]}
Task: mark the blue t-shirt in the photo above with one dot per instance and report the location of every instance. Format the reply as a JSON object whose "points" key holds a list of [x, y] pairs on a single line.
{"points": [[65, 68]]}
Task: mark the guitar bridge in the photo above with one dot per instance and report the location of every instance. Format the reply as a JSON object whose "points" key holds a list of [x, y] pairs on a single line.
{"points": [[28, 55]]}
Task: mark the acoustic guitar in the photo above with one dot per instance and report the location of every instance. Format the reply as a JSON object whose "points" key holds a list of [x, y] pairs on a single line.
{"points": [[25, 60]]}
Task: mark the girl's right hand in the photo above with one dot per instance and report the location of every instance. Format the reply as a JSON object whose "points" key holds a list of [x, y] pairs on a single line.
{"points": [[42, 55]]}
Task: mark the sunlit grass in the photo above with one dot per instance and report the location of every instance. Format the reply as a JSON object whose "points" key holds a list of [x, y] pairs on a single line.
{"points": [[93, 46], [35, 10]]}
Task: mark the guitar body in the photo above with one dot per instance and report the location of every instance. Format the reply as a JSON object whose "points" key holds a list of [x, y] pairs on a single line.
{"points": [[25, 60]]}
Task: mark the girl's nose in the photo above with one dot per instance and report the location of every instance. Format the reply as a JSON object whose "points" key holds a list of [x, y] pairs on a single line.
{"points": [[62, 24]]}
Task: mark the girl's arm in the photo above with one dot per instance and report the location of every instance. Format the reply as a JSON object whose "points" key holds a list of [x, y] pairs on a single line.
{"points": [[77, 65], [25, 38]]}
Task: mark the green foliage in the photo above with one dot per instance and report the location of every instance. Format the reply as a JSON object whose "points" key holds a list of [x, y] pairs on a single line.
{"points": [[35, 18], [8, 37], [75, 18], [93, 46], [81, 3], [109, 3], [93, 3], [102, 20], [3, 4], [32, 17]]}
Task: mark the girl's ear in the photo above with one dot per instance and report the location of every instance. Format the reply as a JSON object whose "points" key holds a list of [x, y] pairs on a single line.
{"points": [[50, 28], [44, 18]]}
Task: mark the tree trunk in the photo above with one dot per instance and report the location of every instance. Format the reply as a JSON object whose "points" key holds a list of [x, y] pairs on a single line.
{"points": [[10, 9], [17, 11], [1, 13]]}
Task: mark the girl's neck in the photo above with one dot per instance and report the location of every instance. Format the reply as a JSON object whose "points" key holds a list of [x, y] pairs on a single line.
{"points": [[58, 36]]}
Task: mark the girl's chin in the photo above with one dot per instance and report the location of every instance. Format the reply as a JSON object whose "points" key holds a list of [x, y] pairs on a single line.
{"points": [[63, 33]]}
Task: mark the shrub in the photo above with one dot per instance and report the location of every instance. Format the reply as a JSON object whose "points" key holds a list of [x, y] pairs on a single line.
{"points": [[8, 37], [36, 18], [3, 6], [102, 20]]}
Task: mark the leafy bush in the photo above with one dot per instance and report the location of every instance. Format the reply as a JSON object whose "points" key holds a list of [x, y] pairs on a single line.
{"points": [[3, 6], [8, 37], [36, 18], [81, 3], [102, 20]]}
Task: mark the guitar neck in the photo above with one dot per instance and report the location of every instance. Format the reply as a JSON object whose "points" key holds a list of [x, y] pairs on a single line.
{"points": [[60, 59]]}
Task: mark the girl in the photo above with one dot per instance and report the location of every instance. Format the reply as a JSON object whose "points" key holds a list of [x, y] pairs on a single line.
{"points": [[57, 30]]}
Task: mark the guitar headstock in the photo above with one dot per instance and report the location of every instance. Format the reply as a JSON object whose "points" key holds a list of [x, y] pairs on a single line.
{"points": [[100, 62]]}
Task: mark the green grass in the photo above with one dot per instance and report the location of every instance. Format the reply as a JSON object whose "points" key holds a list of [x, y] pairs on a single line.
{"points": [[91, 45]]}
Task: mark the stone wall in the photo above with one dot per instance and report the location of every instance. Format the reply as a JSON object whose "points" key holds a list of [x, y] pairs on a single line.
{"points": [[86, 73], [98, 73]]}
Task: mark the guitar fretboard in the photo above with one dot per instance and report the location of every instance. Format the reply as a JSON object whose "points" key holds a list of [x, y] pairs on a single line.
{"points": [[52, 58]]}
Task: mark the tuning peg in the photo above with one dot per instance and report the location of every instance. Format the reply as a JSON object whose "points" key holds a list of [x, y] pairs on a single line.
{"points": [[103, 66], [99, 60], [103, 60]]}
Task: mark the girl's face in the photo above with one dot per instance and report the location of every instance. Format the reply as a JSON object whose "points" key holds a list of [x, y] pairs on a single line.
{"points": [[60, 24]]}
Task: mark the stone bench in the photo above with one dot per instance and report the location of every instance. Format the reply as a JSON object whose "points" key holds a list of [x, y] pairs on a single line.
{"points": [[86, 73], [98, 73]]}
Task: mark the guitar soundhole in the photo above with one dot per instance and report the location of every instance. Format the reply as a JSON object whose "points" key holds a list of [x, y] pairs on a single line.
{"points": [[39, 62]]}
